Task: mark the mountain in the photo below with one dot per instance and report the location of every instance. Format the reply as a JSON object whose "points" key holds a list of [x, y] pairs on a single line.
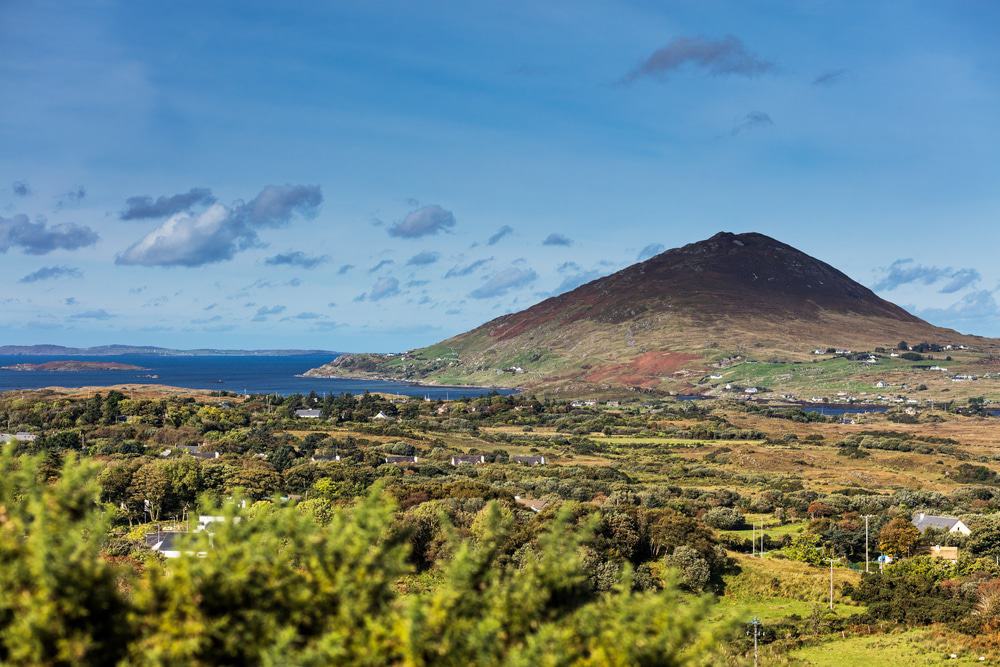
{"points": [[114, 350], [662, 324]]}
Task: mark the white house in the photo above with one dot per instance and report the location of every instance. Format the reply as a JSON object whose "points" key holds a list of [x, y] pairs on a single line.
{"points": [[309, 414], [20, 436], [167, 544], [950, 524], [206, 520], [470, 459]]}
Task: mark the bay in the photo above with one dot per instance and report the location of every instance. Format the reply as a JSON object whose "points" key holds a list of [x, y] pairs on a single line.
{"points": [[250, 374]]}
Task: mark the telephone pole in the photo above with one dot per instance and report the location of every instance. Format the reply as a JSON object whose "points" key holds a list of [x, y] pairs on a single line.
{"points": [[831, 583], [755, 623], [867, 516], [753, 539]]}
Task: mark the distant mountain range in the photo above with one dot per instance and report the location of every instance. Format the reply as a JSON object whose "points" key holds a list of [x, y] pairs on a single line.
{"points": [[115, 350], [663, 323]]}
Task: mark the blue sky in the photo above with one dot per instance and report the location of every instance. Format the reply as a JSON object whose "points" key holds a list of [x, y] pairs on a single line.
{"points": [[380, 175]]}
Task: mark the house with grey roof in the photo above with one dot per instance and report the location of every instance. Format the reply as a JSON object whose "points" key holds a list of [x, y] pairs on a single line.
{"points": [[949, 524], [309, 414]]}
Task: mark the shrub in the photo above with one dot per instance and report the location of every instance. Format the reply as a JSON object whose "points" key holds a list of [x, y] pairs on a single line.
{"points": [[693, 570], [805, 547], [724, 518], [916, 592]]}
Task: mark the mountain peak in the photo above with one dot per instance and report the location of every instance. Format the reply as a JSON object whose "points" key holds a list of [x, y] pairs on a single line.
{"points": [[668, 318], [733, 275]]}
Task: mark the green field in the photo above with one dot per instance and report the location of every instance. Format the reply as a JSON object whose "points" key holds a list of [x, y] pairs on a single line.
{"points": [[775, 610], [771, 531], [914, 648], [825, 376]]}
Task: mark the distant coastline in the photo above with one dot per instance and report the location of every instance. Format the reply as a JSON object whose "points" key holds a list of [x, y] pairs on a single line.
{"points": [[118, 350], [73, 367], [251, 374]]}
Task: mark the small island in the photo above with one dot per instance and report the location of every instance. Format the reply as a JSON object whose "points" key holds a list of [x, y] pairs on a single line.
{"points": [[74, 366]]}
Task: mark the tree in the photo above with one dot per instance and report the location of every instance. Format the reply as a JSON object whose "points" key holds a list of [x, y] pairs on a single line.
{"points": [[115, 480], [256, 479], [185, 482], [985, 539], [60, 604], [694, 571], [898, 538], [92, 409], [150, 487], [807, 548], [621, 532], [818, 508], [110, 411], [69, 440], [724, 518]]}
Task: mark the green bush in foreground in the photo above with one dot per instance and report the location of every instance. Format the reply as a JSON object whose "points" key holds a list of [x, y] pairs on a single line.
{"points": [[279, 588], [60, 602]]}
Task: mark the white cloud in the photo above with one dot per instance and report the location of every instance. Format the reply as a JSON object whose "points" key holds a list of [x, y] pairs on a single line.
{"points": [[219, 232]]}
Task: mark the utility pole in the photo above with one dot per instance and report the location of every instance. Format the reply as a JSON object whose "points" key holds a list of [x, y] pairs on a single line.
{"points": [[753, 540], [867, 516], [755, 623], [761, 539], [831, 583]]}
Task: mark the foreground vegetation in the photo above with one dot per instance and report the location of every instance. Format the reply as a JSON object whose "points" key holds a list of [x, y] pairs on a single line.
{"points": [[282, 586], [636, 542]]}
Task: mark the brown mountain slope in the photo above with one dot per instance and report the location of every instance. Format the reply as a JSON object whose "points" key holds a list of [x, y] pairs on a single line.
{"points": [[662, 323]]}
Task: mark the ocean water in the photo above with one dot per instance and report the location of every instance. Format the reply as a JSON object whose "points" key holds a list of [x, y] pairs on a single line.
{"points": [[252, 374]]}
